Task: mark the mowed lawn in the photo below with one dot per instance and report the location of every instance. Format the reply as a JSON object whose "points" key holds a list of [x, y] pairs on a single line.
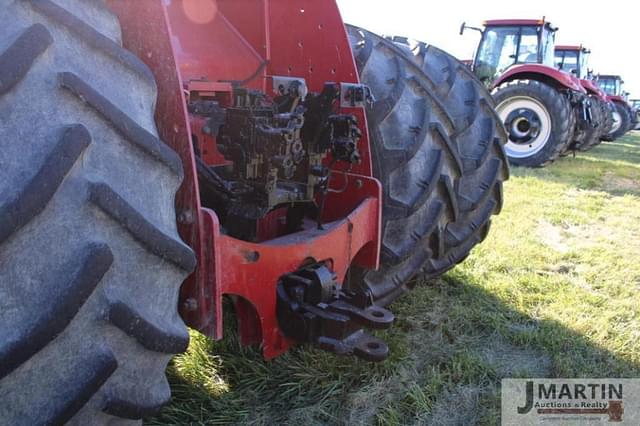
{"points": [[552, 292]]}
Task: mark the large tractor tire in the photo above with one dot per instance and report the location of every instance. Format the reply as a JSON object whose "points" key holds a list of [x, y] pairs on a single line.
{"points": [[632, 119], [539, 122], [607, 120], [90, 257], [437, 148], [622, 122], [591, 136]]}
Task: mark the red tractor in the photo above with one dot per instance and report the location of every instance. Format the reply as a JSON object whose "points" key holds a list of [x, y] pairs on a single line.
{"points": [[574, 59], [623, 114], [545, 111], [635, 104], [158, 155]]}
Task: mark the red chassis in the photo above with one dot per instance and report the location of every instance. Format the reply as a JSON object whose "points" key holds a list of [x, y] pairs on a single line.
{"points": [[194, 45]]}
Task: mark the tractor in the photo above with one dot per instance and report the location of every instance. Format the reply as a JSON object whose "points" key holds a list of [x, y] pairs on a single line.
{"points": [[633, 110], [635, 104], [622, 115], [546, 111], [574, 59], [161, 155]]}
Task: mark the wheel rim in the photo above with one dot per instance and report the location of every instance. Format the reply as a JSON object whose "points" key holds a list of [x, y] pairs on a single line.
{"points": [[528, 125], [617, 121]]}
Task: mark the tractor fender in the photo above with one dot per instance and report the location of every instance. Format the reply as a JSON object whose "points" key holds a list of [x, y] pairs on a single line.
{"points": [[593, 89], [542, 73], [618, 99]]}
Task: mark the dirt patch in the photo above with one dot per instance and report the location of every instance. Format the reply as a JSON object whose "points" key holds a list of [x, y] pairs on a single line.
{"points": [[620, 185], [551, 236], [458, 406], [363, 406], [586, 236], [512, 361]]}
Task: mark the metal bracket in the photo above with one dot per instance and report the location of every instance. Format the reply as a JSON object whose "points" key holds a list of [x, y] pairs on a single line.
{"points": [[292, 86], [312, 308], [355, 95]]}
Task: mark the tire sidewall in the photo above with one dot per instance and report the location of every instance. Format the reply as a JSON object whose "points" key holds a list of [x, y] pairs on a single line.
{"points": [[625, 121], [556, 106]]}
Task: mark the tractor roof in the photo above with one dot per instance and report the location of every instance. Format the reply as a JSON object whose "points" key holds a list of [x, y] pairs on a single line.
{"points": [[510, 22], [519, 23], [610, 76], [571, 47]]}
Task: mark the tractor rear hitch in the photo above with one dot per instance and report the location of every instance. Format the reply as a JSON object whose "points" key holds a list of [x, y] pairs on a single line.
{"points": [[585, 117], [312, 308], [587, 114]]}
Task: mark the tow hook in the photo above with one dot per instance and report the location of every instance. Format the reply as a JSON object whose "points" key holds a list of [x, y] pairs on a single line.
{"points": [[312, 308]]}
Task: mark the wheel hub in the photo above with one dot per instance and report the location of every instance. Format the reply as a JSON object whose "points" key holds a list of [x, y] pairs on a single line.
{"points": [[528, 123], [523, 125]]}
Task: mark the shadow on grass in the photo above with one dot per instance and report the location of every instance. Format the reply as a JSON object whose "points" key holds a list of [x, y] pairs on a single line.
{"points": [[451, 336]]}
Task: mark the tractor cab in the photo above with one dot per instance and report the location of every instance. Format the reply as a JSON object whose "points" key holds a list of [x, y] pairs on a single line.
{"points": [[573, 59], [506, 43], [612, 84]]}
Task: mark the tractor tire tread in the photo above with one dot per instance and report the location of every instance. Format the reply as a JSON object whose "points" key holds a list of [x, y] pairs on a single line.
{"points": [[437, 150], [625, 124], [92, 259]]}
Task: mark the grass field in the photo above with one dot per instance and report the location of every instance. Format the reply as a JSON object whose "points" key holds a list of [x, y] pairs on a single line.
{"points": [[552, 292]]}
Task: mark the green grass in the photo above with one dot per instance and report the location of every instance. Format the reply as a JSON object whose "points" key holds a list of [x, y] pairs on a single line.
{"points": [[552, 292]]}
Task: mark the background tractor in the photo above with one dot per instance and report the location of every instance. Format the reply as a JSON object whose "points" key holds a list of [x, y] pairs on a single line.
{"points": [[159, 155], [635, 104], [545, 111], [574, 60], [622, 115]]}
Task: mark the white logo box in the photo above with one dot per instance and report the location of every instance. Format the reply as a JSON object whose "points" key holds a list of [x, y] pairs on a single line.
{"points": [[569, 402]]}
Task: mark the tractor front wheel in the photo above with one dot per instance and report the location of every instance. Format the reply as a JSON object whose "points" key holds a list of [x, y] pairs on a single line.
{"points": [[538, 120], [621, 120]]}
